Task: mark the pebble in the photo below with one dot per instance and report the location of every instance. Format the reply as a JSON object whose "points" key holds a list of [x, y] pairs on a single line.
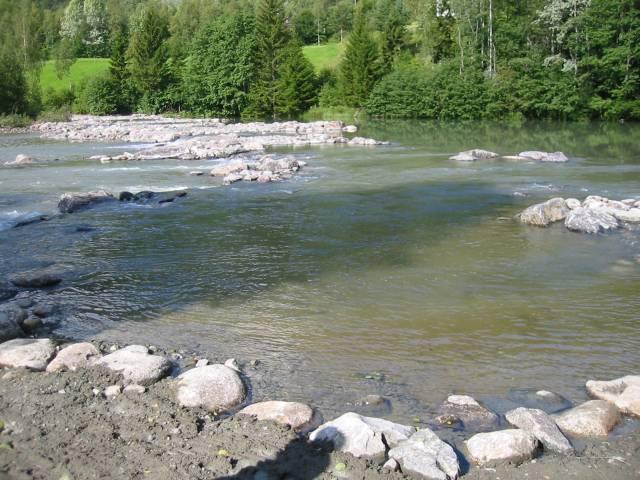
{"points": [[112, 391], [134, 388], [203, 362]]}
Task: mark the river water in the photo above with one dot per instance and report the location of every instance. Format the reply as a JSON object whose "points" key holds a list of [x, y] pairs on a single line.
{"points": [[388, 270]]}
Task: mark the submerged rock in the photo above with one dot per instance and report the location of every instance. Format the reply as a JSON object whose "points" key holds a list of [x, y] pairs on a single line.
{"points": [[135, 365], [595, 418], [473, 155], [74, 357], [215, 388], [26, 353], [298, 416], [542, 426], [36, 279], [9, 326], [544, 400], [72, 202], [587, 220], [426, 455], [543, 214], [504, 446], [623, 392], [362, 436], [468, 412]]}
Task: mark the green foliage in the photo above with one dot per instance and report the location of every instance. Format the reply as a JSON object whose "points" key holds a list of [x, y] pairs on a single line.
{"points": [[99, 96], [306, 27], [297, 84], [221, 67], [13, 94]]}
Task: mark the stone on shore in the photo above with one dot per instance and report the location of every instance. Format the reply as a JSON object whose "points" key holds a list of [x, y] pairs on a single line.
{"points": [[587, 220], [544, 156], [473, 155], [426, 455], [542, 426], [362, 436], [623, 392], [26, 353], [35, 279], [543, 214], [467, 411], [74, 357], [215, 388], [298, 416], [595, 418], [9, 326], [504, 446], [135, 365], [72, 202]]}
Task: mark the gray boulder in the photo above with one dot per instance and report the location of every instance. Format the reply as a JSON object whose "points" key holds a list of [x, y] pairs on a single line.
{"points": [[504, 446], [298, 416], [426, 455], [74, 357], [36, 279], [544, 156], [227, 168], [26, 353], [587, 220], [215, 388], [543, 214], [362, 436], [630, 216], [72, 202], [595, 418], [542, 426], [623, 392], [468, 412], [473, 155], [135, 365]]}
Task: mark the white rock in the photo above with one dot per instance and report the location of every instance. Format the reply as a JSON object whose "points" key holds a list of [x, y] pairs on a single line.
{"points": [[362, 436], [298, 416], [543, 214], [544, 156], [540, 424], [504, 446], [227, 168], [593, 221], [203, 362], [232, 178], [473, 155], [630, 216], [232, 363], [595, 418], [112, 391], [135, 365], [426, 455], [22, 159], [350, 129], [463, 400], [573, 203], [623, 392], [391, 465], [74, 357], [134, 388], [26, 353], [629, 401], [215, 388]]}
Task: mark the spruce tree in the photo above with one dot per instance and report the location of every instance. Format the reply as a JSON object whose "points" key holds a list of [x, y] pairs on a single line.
{"points": [[360, 68], [297, 84], [118, 68]]}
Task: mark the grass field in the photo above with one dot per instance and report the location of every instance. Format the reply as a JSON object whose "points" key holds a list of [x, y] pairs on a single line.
{"points": [[324, 56], [81, 69]]}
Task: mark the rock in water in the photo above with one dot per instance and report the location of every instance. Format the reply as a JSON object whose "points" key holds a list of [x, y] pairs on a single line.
{"points": [[9, 327], [542, 426], [227, 168], [362, 436], [623, 392], [467, 411], [425, 454], [544, 400], [298, 416], [72, 202], [26, 353], [473, 155], [595, 418], [35, 279], [588, 220], [630, 216], [504, 446], [22, 159], [73, 357], [544, 156], [543, 214], [573, 203], [136, 365], [215, 388]]}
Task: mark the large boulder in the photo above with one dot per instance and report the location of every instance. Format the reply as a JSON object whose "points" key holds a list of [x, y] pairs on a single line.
{"points": [[26, 353], [623, 392], [9, 326], [36, 278], [72, 202], [630, 216], [504, 446], [595, 418], [587, 220], [298, 416], [362, 436], [473, 155], [135, 365], [542, 426], [466, 411], [215, 388], [74, 357], [426, 455], [544, 156], [543, 214], [229, 167]]}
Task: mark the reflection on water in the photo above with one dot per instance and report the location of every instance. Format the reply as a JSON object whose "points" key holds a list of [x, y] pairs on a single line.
{"points": [[392, 260]]}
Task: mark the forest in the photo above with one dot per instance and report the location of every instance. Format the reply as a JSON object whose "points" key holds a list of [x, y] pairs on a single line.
{"points": [[432, 59]]}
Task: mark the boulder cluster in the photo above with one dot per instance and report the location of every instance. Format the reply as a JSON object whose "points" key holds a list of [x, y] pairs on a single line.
{"points": [[593, 215]]}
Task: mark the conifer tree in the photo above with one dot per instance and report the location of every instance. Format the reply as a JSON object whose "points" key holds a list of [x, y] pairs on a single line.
{"points": [[297, 84]]}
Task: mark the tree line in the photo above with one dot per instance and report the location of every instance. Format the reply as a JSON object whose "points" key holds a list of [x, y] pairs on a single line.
{"points": [[441, 59]]}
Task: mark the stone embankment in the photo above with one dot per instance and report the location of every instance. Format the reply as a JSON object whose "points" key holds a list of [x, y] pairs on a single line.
{"points": [[593, 215]]}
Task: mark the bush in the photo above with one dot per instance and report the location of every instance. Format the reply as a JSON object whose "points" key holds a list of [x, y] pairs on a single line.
{"points": [[58, 99], [15, 121], [99, 96]]}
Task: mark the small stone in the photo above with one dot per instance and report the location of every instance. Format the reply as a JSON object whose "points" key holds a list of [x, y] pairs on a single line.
{"points": [[392, 465], [196, 173], [470, 413], [232, 364], [203, 362], [43, 310], [31, 324], [74, 357], [26, 353], [24, 302], [298, 416], [96, 391], [504, 446], [373, 400], [573, 203], [214, 387], [112, 391], [595, 418], [542, 426], [133, 388]]}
